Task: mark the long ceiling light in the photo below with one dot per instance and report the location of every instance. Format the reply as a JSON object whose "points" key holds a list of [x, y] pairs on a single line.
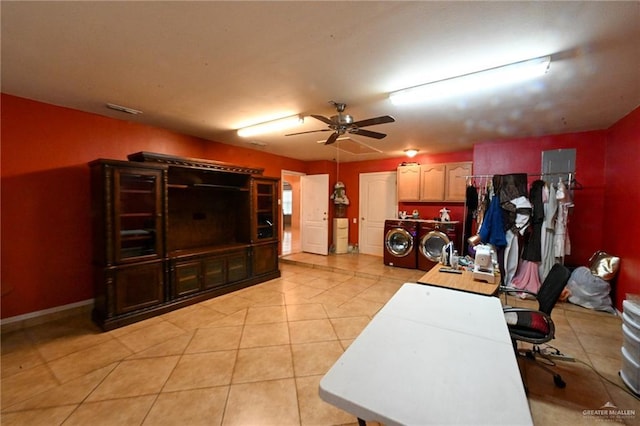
{"points": [[481, 80], [271, 126]]}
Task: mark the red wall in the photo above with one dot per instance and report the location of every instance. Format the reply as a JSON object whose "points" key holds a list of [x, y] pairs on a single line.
{"points": [[620, 224], [45, 229], [46, 235]]}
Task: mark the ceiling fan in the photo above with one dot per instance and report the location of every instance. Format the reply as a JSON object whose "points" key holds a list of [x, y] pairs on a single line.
{"points": [[343, 123]]}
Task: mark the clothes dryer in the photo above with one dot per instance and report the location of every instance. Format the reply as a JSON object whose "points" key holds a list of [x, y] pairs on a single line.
{"points": [[433, 235], [401, 243]]}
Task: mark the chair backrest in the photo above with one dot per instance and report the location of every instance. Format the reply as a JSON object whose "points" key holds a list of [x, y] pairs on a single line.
{"points": [[552, 287]]}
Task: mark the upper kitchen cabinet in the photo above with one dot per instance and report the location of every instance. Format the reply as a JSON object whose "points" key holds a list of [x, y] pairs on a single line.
{"points": [[408, 179], [433, 182], [455, 188]]}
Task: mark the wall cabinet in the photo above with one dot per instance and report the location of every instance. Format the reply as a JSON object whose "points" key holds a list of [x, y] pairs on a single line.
{"points": [[433, 182], [408, 181], [171, 231]]}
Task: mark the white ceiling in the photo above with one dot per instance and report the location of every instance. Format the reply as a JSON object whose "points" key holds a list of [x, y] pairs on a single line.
{"points": [[207, 68]]}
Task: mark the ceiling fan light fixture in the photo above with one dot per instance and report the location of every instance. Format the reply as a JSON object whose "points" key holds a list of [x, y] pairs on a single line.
{"points": [[411, 152], [271, 126], [480, 80]]}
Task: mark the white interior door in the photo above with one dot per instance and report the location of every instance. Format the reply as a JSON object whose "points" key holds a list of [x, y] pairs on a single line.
{"points": [[314, 209], [378, 202]]}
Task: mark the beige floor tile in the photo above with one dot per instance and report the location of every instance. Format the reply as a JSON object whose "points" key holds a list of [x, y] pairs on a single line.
{"points": [[360, 306], [322, 283], [306, 311], [61, 338], [349, 328], [19, 359], [38, 417], [330, 298], [199, 407], [267, 363], [193, 317], [147, 337], [313, 410], [135, 326], [266, 314], [269, 403], [380, 292], [85, 361], [26, 384], [215, 339], [134, 378], [301, 294], [201, 371], [315, 358], [72, 392], [311, 331], [228, 304], [236, 318], [125, 411], [173, 346], [255, 335], [261, 295]]}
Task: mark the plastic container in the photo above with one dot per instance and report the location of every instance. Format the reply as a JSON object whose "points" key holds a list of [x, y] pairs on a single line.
{"points": [[632, 309], [630, 372], [631, 342]]}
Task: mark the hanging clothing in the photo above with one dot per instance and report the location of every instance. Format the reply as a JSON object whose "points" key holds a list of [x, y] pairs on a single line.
{"points": [[561, 242], [492, 229], [511, 257], [533, 245], [548, 230], [527, 278], [509, 187], [472, 206]]}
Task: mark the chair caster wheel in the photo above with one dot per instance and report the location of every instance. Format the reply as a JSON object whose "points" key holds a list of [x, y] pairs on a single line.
{"points": [[559, 382]]}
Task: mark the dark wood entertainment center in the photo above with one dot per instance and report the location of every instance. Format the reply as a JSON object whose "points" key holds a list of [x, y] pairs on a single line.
{"points": [[172, 231]]}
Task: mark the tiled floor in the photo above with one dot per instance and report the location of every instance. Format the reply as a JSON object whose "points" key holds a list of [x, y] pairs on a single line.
{"points": [[255, 357]]}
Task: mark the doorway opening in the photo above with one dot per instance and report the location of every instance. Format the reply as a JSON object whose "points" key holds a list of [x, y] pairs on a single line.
{"points": [[291, 240]]}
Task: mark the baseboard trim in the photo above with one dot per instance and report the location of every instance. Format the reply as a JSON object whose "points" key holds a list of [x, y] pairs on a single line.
{"points": [[46, 315]]}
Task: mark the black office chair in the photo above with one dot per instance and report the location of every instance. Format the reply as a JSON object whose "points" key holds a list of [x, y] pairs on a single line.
{"points": [[536, 326]]}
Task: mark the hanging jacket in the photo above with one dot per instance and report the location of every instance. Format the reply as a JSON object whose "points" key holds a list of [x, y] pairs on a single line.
{"points": [[492, 229]]}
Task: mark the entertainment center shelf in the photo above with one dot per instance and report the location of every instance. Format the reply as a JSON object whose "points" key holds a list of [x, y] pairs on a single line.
{"points": [[172, 231]]}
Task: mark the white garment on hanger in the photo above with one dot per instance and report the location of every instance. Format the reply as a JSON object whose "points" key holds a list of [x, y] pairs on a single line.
{"points": [[548, 231], [511, 257], [561, 242], [522, 220]]}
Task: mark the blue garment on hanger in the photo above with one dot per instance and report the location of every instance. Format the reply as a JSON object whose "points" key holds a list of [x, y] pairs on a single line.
{"points": [[492, 229]]}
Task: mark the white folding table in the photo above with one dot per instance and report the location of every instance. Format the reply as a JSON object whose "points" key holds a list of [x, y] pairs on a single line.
{"points": [[432, 355]]}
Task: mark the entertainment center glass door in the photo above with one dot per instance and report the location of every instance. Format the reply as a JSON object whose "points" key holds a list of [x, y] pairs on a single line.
{"points": [[137, 226]]}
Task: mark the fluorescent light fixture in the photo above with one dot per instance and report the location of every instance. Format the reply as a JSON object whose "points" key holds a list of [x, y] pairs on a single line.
{"points": [[271, 126], [481, 80], [411, 152], [124, 109]]}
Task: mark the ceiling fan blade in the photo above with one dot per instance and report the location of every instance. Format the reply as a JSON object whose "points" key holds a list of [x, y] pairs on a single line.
{"points": [[310, 131], [368, 133], [373, 121], [322, 118], [332, 138]]}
